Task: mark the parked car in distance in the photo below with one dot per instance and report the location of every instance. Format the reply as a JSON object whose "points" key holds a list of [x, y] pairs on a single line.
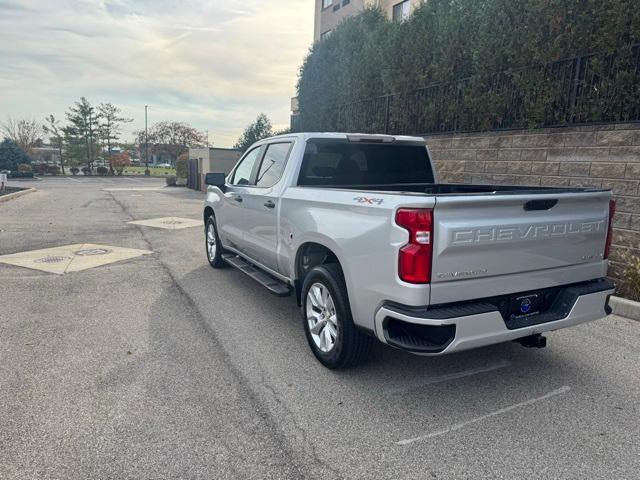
{"points": [[359, 230]]}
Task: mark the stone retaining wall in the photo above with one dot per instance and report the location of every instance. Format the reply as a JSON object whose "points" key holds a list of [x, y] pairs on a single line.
{"points": [[602, 156]]}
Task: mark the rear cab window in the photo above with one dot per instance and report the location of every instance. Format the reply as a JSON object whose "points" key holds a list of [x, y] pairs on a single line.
{"points": [[338, 162]]}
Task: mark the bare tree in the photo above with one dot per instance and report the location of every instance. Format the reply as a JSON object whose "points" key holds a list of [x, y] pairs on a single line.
{"points": [[171, 138], [25, 132]]}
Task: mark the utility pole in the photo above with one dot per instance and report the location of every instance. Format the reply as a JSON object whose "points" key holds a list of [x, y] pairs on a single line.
{"points": [[90, 144], [146, 142]]}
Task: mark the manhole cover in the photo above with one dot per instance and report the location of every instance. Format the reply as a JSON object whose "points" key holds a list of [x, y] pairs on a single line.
{"points": [[52, 259], [171, 222], [91, 251]]}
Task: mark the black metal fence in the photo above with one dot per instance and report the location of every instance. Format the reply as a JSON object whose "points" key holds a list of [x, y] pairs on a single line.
{"points": [[584, 89], [193, 174]]}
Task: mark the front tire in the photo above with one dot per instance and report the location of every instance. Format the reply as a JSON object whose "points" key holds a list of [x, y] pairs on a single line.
{"points": [[333, 337], [212, 244]]}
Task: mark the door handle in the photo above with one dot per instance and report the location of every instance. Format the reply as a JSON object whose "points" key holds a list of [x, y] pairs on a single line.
{"points": [[238, 198], [269, 204]]}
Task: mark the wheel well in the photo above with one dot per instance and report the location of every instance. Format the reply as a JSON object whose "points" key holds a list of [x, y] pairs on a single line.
{"points": [[208, 211], [310, 255]]}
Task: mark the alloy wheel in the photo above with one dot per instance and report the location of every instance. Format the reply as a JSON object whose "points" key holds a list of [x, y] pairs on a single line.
{"points": [[211, 241], [321, 317]]}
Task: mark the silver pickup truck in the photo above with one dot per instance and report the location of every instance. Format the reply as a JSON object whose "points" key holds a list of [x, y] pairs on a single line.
{"points": [[357, 227]]}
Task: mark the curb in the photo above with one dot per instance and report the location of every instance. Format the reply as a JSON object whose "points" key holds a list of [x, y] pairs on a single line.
{"points": [[10, 196], [625, 308]]}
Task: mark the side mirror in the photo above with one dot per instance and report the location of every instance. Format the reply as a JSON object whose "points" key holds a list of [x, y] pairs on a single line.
{"points": [[215, 179]]}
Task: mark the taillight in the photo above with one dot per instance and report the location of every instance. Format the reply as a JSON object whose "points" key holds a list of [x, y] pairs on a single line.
{"points": [[414, 259], [612, 212]]}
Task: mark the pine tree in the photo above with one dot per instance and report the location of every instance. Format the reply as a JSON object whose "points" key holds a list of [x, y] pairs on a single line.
{"points": [[80, 134], [255, 131], [110, 122]]}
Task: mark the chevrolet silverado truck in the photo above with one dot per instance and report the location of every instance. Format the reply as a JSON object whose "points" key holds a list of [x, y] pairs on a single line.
{"points": [[359, 230]]}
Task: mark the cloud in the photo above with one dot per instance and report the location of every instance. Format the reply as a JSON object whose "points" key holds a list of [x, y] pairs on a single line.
{"points": [[211, 63]]}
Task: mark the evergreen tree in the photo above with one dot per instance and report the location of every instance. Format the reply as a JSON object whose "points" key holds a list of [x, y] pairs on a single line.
{"points": [[110, 122], [11, 155], [80, 134], [255, 131], [52, 127]]}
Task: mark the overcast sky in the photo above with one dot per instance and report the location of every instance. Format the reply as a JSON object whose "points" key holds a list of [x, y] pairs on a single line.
{"points": [[213, 63]]}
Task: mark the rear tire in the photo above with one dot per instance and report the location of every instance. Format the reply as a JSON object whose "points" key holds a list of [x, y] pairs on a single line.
{"points": [[212, 244], [333, 337]]}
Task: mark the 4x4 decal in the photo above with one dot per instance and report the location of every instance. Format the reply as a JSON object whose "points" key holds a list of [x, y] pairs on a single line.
{"points": [[370, 201]]}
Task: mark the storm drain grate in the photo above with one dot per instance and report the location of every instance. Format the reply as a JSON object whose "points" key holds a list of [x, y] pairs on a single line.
{"points": [[89, 252], [52, 259]]}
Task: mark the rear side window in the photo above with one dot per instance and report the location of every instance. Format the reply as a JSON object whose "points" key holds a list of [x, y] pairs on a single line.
{"points": [[343, 163], [273, 164], [242, 174]]}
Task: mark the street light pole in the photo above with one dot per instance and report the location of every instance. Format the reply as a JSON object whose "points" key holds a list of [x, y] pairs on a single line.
{"points": [[146, 143]]}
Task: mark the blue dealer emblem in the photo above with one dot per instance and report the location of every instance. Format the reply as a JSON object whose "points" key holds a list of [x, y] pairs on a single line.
{"points": [[525, 305]]}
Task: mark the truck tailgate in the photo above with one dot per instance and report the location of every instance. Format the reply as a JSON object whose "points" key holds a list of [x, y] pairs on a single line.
{"points": [[488, 245]]}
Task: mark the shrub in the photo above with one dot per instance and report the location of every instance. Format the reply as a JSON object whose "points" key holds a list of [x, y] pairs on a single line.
{"points": [[11, 155], [181, 165], [630, 287], [25, 168], [15, 174], [41, 168], [446, 41], [171, 180], [119, 161], [53, 169], [74, 170], [102, 170]]}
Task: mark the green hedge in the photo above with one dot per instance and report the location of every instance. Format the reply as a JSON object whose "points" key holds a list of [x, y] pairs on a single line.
{"points": [[460, 46], [14, 174]]}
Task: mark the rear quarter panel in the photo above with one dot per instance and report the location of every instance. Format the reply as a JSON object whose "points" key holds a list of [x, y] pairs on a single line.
{"points": [[358, 228]]}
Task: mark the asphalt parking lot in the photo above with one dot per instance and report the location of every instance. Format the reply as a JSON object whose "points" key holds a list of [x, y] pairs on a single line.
{"points": [[158, 366]]}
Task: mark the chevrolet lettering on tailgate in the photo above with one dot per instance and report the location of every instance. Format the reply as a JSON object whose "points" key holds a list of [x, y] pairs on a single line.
{"points": [[525, 232]]}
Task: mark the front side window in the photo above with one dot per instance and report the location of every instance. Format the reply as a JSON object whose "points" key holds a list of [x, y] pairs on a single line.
{"points": [[401, 11], [242, 174], [326, 3], [273, 164]]}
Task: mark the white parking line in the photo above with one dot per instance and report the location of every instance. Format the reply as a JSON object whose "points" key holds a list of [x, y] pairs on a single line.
{"points": [[72, 179], [450, 376], [460, 425], [132, 189]]}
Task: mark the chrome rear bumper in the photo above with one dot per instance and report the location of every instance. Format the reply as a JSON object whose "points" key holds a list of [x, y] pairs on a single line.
{"points": [[474, 325]]}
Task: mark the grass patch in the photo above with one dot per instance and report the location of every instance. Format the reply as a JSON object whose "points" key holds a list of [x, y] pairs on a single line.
{"points": [[155, 171]]}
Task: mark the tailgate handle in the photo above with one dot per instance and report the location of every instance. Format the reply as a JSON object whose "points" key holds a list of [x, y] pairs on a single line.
{"points": [[540, 204]]}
